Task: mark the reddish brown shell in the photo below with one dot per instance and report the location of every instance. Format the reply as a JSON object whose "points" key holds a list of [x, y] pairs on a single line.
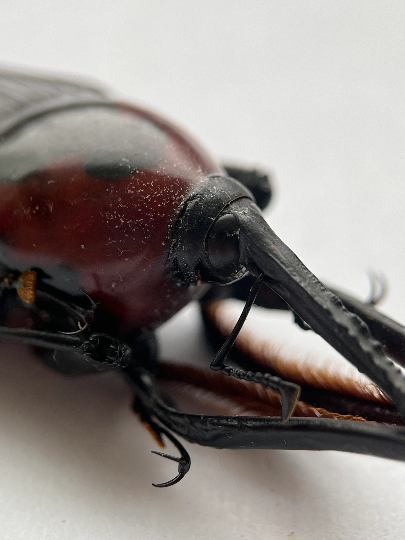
{"points": [[88, 194]]}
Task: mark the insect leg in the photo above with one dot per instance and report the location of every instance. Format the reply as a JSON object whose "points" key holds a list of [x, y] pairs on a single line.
{"points": [[268, 432], [102, 350], [390, 333], [157, 430], [289, 391], [145, 387]]}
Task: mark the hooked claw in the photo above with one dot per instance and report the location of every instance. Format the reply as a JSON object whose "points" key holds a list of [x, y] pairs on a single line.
{"points": [[184, 460], [289, 391], [378, 288]]}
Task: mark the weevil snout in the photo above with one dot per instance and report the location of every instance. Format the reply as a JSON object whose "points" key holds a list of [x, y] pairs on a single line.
{"points": [[222, 235]]}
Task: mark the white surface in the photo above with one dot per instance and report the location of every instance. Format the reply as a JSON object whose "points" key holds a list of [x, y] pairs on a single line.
{"points": [[312, 90]]}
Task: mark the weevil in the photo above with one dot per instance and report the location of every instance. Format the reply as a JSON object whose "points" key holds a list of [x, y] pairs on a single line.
{"points": [[112, 219]]}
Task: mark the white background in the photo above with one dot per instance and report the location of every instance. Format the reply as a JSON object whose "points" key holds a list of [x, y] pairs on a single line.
{"points": [[313, 91]]}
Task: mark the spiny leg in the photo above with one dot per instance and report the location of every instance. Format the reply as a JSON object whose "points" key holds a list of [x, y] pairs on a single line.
{"points": [[315, 433], [157, 430], [289, 391], [101, 351]]}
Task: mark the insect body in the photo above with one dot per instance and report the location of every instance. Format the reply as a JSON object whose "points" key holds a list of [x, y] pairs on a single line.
{"points": [[111, 220]]}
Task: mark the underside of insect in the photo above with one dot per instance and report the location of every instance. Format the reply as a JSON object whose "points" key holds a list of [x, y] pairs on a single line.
{"points": [[112, 219]]}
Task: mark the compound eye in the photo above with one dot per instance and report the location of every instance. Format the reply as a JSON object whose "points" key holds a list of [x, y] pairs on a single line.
{"points": [[222, 251]]}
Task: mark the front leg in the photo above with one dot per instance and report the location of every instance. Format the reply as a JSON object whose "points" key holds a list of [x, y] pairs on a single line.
{"points": [[101, 350], [50, 321], [82, 351]]}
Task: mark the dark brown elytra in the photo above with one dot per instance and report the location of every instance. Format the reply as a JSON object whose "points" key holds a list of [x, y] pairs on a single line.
{"points": [[112, 219]]}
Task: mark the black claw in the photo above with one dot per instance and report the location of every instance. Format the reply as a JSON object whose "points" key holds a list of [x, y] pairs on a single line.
{"points": [[290, 393], [184, 460]]}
